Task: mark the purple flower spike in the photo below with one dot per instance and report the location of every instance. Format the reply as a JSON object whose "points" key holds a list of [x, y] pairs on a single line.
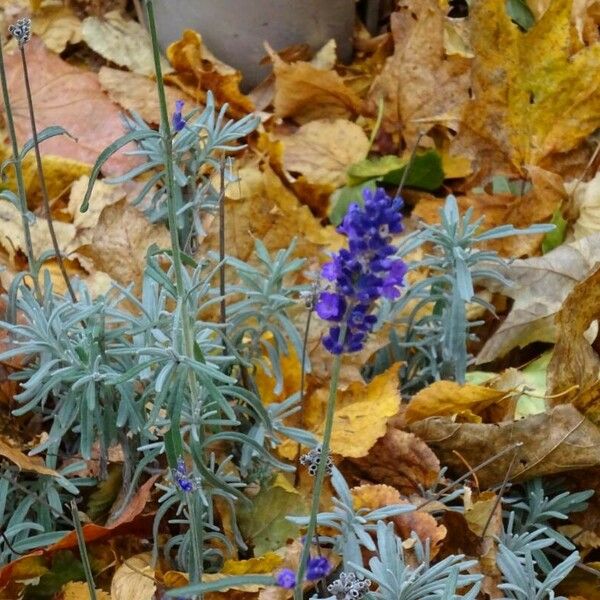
{"points": [[317, 568], [363, 273], [177, 120], [182, 478], [286, 578]]}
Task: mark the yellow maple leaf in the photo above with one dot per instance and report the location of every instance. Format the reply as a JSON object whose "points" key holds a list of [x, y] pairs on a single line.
{"points": [[535, 92]]}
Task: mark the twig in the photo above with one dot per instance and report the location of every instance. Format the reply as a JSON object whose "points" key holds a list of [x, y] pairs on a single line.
{"points": [[408, 166]]}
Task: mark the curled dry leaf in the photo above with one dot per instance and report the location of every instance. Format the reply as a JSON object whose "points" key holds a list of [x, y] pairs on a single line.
{"points": [[556, 442], [540, 286], [585, 203], [399, 459], [305, 92], [197, 71], [322, 150], [58, 26], [134, 579], [413, 76], [78, 590], [138, 93], [373, 496], [449, 398], [31, 464], [71, 98], [121, 41], [575, 366]]}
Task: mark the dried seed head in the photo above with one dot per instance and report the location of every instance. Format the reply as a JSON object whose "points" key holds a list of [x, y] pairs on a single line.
{"points": [[21, 31], [349, 587], [312, 459]]}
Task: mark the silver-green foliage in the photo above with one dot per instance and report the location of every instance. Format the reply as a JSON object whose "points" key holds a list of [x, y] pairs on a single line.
{"points": [[396, 579], [433, 330]]}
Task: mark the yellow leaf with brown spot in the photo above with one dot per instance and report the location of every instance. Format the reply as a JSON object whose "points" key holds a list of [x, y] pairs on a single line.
{"points": [[447, 398], [534, 92], [78, 590]]}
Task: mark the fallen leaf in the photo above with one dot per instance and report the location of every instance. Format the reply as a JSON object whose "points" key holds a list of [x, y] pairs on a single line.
{"points": [[58, 27], [585, 204], [361, 414], [536, 206], [540, 286], [71, 98], [197, 71], [266, 563], [120, 242], [134, 579], [399, 459], [574, 369], [373, 496], [264, 524], [78, 590], [449, 398], [305, 93], [413, 77], [31, 464], [123, 42], [138, 93], [323, 149], [524, 83], [556, 442]]}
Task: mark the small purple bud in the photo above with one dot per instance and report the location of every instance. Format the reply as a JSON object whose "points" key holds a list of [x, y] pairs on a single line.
{"points": [[286, 578], [177, 120], [317, 568]]}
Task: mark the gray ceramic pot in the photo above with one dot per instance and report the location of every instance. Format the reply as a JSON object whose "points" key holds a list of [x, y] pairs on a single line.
{"points": [[234, 30]]}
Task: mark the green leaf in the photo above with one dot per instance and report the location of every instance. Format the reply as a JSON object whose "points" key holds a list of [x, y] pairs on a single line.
{"points": [[553, 239], [425, 171], [520, 13], [105, 494], [341, 199], [263, 524], [65, 568], [535, 380]]}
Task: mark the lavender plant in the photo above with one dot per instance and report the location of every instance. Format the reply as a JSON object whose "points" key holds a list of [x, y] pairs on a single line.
{"points": [[358, 276], [431, 325]]}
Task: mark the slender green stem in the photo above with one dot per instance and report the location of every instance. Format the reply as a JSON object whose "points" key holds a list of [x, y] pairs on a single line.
{"points": [[21, 190], [321, 469], [188, 338], [222, 247], [85, 559], [42, 179]]}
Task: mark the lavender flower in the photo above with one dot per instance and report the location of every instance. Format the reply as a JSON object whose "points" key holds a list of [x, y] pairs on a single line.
{"points": [[317, 568], [177, 120], [182, 478], [364, 272], [286, 578]]}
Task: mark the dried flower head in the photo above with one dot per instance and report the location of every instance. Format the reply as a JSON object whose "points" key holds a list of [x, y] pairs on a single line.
{"points": [[177, 120], [286, 578], [21, 31], [317, 568], [349, 587], [312, 459], [364, 272]]}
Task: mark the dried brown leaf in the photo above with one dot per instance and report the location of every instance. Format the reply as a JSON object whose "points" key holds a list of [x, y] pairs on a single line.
{"points": [[540, 286], [399, 459], [556, 442]]}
